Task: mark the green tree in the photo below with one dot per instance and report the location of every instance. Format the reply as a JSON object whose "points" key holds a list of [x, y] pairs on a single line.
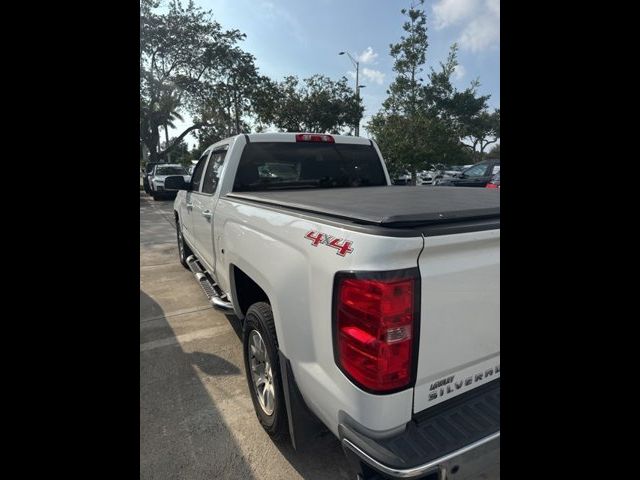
{"points": [[401, 126], [481, 131], [454, 111], [424, 123], [318, 104], [494, 152], [465, 113], [186, 60], [409, 57], [180, 152]]}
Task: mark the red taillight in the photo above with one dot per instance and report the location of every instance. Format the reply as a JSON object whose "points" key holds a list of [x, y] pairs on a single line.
{"points": [[314, 137], [374, 331]]}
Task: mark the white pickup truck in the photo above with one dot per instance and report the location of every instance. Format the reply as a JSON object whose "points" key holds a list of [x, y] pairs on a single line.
{"points": [[370, 309]]}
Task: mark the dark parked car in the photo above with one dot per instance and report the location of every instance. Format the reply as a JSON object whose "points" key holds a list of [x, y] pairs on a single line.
{"points": [[477, 175], [495, 182]]}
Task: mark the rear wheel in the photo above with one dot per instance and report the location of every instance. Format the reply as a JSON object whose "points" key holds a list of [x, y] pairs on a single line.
{"points": [[262, 368], [183, 249]]}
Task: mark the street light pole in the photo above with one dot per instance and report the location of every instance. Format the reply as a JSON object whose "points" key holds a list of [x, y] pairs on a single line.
{"points": [[357, 97], [357, 65]]}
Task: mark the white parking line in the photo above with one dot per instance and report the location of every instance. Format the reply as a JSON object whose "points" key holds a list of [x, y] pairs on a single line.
{"points": [[186, 338], [182, 311]]}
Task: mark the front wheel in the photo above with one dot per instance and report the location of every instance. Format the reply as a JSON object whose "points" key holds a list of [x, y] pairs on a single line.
{"points": [[262, 367]]}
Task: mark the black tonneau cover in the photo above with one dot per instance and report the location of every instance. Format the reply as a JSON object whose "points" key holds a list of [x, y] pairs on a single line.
{"points": [[391, 206]]}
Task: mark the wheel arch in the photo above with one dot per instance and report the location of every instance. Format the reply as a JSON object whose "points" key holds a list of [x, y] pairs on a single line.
{"points": [[245, 291]]}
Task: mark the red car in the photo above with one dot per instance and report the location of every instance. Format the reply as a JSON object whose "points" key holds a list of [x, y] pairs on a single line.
{"points": [[495, 182]]}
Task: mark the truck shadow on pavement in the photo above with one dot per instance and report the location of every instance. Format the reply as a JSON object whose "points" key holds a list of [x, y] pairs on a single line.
{"points": [[322, 460], [236, 324], [182, 432], [213, 365]]}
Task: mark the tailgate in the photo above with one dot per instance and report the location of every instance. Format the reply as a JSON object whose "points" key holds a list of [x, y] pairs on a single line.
{"points": [[459, 346]]}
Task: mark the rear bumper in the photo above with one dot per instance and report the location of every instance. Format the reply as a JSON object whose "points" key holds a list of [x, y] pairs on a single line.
{"points": [[457, 439]]}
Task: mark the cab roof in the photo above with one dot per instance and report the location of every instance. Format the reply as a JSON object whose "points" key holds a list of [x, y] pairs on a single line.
{"points": [[291, 137]]}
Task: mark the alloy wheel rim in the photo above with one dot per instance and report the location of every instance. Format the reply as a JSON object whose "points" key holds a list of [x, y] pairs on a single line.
{"points": [[261, 373]]}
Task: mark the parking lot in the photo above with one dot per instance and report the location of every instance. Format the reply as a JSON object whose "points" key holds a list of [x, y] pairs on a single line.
{"points": [[196, 416]]}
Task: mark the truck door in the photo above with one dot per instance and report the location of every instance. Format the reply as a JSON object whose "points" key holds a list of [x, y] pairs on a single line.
{"points": [[186, 213], [204, 204]]}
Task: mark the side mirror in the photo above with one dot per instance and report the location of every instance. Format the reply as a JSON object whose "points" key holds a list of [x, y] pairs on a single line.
{"points": [[176, 183]]}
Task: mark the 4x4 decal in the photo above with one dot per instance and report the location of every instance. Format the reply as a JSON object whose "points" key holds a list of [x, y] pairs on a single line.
{"points": [[343, 246]]}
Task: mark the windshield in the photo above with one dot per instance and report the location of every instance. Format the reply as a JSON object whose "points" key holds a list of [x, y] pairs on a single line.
{"points": [[280, 165], [171, 171]]}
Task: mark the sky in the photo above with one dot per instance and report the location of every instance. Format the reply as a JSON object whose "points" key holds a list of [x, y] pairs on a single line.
{"points": [[303, 37]]}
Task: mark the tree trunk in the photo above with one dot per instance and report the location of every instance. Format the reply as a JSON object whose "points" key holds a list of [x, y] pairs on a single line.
{"points": [[414, 177], [237, 113], [166, 138], [235, 107], [153, 144]]}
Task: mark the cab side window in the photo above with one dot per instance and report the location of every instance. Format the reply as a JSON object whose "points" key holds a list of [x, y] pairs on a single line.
{"points": [[196, 178], [212, 175]]}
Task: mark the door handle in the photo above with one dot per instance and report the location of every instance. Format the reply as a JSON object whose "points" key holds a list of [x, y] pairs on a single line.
{"points": [[207, 213]]}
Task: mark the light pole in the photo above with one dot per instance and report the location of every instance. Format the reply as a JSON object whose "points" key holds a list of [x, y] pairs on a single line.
{"points": [[358, 86]]}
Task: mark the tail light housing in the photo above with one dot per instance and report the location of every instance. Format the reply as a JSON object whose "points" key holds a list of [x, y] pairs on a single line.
{"points": [[376, 328]]}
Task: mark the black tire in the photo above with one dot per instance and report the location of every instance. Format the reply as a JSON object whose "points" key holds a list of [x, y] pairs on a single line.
{"points": [[259, 318], [183, 251], [156, 197]]}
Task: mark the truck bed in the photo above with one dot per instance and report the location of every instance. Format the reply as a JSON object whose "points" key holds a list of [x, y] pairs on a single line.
{"points": [[388, 206]]}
